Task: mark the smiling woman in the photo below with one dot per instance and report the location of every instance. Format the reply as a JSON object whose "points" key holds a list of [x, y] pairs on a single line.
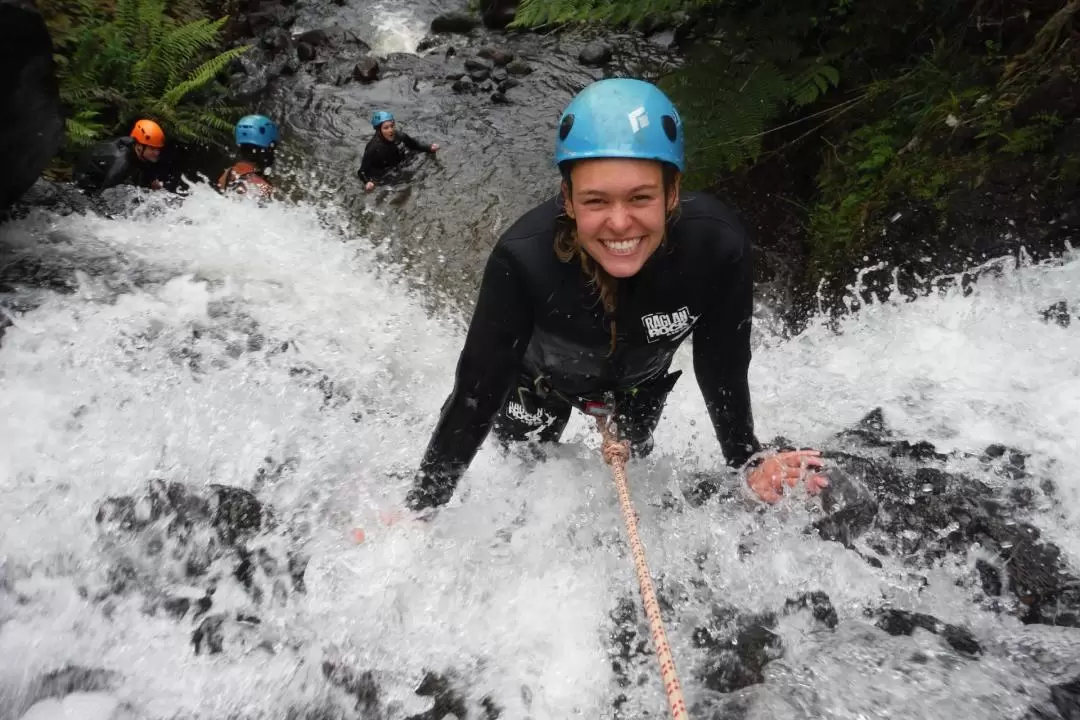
{"points": [[654, 266], [620, 208]]}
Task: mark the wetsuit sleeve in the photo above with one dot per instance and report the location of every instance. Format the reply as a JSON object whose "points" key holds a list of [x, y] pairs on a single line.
{"points": [[722, 347], [489, 365], [414, 144], [367, 170]]}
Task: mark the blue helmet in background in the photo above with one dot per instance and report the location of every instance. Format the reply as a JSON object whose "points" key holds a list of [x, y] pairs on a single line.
{"points": [[257, 130], [380, 117], [620, 118]]}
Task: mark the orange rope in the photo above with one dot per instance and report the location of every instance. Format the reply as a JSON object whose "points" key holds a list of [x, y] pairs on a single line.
{"points": [[615, 454]]}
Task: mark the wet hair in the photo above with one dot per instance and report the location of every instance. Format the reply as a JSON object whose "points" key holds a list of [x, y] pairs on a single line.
{"points": [[567, 246], [260, 157]]}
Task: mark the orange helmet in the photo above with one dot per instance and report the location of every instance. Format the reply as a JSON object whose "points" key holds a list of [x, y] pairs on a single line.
{"points": [[148, 132]]}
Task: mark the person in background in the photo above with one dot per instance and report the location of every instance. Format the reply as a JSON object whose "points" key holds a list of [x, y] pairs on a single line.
{"points": [[256, 138], [387, 149], [125, 160]]}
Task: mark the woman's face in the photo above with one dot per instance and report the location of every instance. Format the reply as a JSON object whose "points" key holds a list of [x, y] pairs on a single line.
{"points": [[620, 211]]}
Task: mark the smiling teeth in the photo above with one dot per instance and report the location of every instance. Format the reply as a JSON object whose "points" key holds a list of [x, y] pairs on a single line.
{"points": [[622, 247]]}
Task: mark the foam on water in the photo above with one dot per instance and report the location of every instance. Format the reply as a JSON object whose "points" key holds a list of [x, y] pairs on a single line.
{"points": [[186, 354]]}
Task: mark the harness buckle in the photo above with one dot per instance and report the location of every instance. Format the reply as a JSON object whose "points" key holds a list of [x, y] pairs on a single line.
{"points": [[596, 408], [600, 408]]}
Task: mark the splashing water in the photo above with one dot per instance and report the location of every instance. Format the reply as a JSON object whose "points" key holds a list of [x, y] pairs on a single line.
{"points": [[186, 350]]}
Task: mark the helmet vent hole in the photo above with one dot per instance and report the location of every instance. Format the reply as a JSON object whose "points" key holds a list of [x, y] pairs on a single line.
{"points": [[565, 126], [670, 128]]}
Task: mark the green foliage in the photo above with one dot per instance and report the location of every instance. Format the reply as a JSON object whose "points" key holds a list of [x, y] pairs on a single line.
{"points": [[729, 95], [730, 91], [119, 61], [536, 13], [903, 100]]}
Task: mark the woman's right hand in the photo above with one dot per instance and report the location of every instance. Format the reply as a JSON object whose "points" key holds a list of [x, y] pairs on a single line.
{"points": [[786, 469]]}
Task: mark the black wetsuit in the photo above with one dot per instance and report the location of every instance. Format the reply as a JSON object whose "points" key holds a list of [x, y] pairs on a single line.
{"points": [[539, 317], [111, 163], [382, 155]]}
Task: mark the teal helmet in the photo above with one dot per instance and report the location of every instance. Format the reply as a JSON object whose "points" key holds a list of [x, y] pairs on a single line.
{"points": [[380, 117], [257, 130], [620, 118]]}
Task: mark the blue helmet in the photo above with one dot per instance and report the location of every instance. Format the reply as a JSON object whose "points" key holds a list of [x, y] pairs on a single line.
{"points": [[257, 130], [620, 118], [380, 117]]}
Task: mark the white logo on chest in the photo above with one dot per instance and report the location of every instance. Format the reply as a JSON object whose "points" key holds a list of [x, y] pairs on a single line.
{"points": [[666, 325]]}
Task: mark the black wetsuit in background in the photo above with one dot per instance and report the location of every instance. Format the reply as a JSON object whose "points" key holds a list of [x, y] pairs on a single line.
{"points": [[382, 155], [539, 317], [111, 163]]}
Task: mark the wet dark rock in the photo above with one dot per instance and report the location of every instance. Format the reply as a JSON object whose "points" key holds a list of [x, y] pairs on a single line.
{"points": [[519, 67], [921, 450], [428, 43], [31, 122], [818, 603], [738, 647], [497, 14], [208, 636], [237, 514], [508, 84], [595, 54], [58, 198], [359, 685], [921, 512], [500, 57], [492, 711], [367, 70], [454, 22], [276, 39], [903, 622], [463, 85], [1008, 460], [477, 64], [73, 678], [177, 607], [173, 533], [256, 24], [478, 76], [237, 630], [319, 37], [305, 52], [499, 99], [1058, 313], [448, 701], [1066, 699]]}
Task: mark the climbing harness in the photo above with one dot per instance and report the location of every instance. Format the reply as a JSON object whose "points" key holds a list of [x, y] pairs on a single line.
{"points": [[615, 454]]}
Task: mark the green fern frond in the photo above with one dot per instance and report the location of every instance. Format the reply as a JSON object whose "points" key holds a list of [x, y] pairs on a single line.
{"points": [[126, 20], [155, 23], [203, 75], [813, 83], [183, 46], [82, 129], [535, 13], [726, 106]]}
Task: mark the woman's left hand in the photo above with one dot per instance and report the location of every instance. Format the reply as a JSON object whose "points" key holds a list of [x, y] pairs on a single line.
{"points": [[786, 469]]}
